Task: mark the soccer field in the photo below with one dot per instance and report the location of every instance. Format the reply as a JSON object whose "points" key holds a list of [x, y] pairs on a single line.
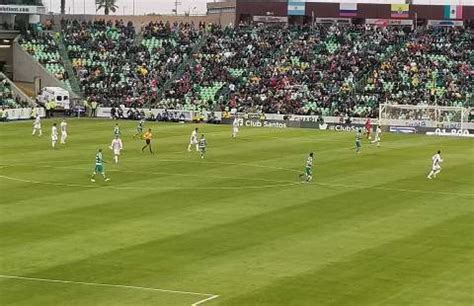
{"points": [[237, 228]]}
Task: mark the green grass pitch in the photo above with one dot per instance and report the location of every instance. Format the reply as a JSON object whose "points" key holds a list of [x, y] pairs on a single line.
{"points": [[369, 230]]}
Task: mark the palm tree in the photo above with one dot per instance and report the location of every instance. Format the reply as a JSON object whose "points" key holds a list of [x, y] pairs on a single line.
{"points": [[107, 5]]}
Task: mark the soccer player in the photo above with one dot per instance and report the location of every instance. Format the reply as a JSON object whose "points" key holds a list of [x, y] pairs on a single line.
{"points": [[54, 136], [368, 128], [378, 135], [308, 169], [202, 146], [140, 126], [193, 141], [37, 126], [117, 130], [235, 127], [357, 140], [116, 146], [148, 136], [63, 131], [99, 166], [436, 167]]}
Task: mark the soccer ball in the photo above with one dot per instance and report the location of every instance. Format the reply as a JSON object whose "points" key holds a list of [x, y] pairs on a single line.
{"points": [[370, 137]]}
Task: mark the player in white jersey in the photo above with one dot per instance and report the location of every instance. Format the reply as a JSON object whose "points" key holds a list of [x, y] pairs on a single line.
{"points": [[63, 126], [235, 127], [436, 166], [54, 136], [193, 140], [37, 126], [116, 146], [378, 136]]}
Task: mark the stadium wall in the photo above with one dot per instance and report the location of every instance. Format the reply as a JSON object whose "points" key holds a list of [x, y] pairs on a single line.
{"points": [[246, 8], [26, 68], [261, 8], [338, 124], [139, 21]]}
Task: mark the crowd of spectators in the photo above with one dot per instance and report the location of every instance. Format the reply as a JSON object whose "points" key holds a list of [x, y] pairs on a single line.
{"points": [[8, 99], [433, 67], [102, 54], [323, 69]]}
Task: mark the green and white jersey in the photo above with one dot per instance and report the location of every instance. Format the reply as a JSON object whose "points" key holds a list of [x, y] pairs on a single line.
{"points": [[99, 159], [140, 125], [117, 131], [309, 162], [202, 143]]}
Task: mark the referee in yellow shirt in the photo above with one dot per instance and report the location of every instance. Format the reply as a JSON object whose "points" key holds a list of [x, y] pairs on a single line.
{"points": [[148, 136]]}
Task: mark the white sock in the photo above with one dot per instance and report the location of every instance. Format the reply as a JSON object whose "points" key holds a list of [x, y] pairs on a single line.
{"points": [[53, 143], [436, 172], [197, 148], [189, 147], [116, 159]]}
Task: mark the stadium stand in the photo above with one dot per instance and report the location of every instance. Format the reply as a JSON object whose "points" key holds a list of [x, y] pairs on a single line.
{"points": [[8, 97], [103, 55], [325, 69]]}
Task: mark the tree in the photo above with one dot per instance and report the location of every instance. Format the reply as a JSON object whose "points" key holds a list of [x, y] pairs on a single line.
{"points": [[107, 5]]}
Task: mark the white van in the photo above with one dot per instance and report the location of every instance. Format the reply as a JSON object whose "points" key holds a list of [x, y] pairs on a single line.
{"points": [[61, 96]]}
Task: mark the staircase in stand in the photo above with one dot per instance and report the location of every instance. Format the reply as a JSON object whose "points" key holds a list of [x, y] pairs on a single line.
{"points": [[75, 85]]}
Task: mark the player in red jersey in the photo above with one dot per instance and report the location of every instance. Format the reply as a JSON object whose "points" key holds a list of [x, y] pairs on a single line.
{"points": [[368, 128]]}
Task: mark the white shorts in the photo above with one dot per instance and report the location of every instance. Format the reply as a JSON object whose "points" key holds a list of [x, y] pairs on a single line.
{"points": [[235, 130], [37, 126], [54, 138], [63, 135], [116, 152], [193, 141], [436, 167]]}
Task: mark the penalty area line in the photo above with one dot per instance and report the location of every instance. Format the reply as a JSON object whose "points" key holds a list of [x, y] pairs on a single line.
{"points": [[205, 300], [61, 281], [121, 187]]}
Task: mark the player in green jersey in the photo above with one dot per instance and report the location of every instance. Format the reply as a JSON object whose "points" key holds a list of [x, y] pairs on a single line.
{"points": [[117, 130], [202, 146], [140, 126], [308, 169], [99, 166], [357, 140]]}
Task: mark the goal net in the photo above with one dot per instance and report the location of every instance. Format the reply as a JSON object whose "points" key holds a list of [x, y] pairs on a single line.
{"points": [[429, 116]]}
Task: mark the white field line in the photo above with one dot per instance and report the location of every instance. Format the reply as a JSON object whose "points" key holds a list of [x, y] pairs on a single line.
{"points": [[60, 281], [155, 172], [237, 187], [169, 160], [205, 300], [289, 183], [120, 187]]}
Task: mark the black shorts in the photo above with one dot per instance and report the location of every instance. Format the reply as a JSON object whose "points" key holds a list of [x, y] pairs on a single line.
{"points": [[148, 141]]}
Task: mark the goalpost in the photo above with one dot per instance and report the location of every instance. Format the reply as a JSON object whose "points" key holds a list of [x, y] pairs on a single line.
{"points": [[438, 119]]}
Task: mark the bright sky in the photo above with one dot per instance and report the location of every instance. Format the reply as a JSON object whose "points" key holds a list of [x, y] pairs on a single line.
{"points": [[126, 6]]}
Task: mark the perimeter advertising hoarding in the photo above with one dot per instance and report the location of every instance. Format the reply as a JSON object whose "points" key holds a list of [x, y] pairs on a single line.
{"points": [[22, 9]]}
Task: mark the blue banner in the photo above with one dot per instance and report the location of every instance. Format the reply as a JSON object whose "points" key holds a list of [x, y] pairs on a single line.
{"points": [[296, 7]]}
